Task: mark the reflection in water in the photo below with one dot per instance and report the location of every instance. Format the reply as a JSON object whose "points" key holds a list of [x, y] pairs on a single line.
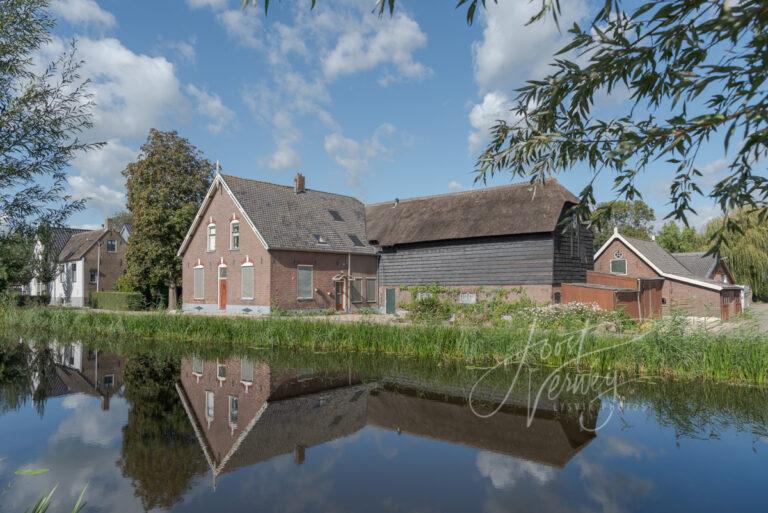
{"points": [[298, 432], [245, 412]]}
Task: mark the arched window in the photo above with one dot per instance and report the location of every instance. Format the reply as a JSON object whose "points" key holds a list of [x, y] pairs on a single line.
{"points": [[211, 237], [246, 278], [618, 263]]}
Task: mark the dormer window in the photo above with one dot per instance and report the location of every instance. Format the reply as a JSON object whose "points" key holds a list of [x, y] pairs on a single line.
{"points": [[335, 215], [234, 235], [211, 237], [355, 240], [320, 239]]}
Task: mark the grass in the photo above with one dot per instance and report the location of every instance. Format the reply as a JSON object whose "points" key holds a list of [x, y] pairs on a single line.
{"points": [[668, 348]]}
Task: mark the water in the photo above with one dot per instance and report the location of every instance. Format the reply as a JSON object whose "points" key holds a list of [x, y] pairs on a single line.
{"points": [[304, 432]]}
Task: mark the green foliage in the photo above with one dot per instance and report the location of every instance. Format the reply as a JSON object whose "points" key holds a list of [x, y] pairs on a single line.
{"points": [[117, 300], [27, 300], [745, 249], [42, 505], [680, 240], [42, 114], [121, 219], [632, 218], [165, 188], [17, 257], [695, 73]]}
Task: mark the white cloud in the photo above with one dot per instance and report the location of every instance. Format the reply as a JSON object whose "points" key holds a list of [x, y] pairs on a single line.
{"points": [[242, 25], [505, 471], [211, 106], [83, 12], [100, 179], [494, 107], [511, 52], [101, 429], [184, 50], [213, 4], [99, 196], [455, 186], [355, 156], [376, 42], [284, 156]]}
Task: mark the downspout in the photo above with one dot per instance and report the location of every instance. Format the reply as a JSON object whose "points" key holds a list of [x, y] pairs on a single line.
{"points": [[98, 266], [639, 300], [348, 299]]}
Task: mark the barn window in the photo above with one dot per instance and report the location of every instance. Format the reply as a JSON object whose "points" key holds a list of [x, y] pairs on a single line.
{"points": [[467, 298], [246, 278], [246, 370], [619, 266], [357, 290], [198, 282], [197, 366], [304, 282]]}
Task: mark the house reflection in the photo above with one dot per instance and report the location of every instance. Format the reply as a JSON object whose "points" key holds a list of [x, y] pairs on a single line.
{"points": [[245, 412], [74, 368]]}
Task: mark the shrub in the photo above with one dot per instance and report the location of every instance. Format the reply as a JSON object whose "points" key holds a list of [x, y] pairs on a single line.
{"points": [[27, 300], [117, 300]]}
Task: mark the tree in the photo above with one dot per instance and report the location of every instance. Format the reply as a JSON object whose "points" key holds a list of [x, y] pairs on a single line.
{"points": [[17, 251], [695, 72], [165, 188], [632, 218], [121, 219], [745, 249], [41, 117], [46, 263], [675, 239]]}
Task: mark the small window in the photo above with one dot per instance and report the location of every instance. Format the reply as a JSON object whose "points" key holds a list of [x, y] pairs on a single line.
{"points": [[198, 282], [423, 295], [467, 298], [246, 370], [619, 266], [663, 301], [357, 291], [246, 278], [197, 366], [371, 292], [73, 270], [221, 371], [304, 282], [320, 239], [335, 215], [92, 276], [63, 273], [355, 240], [234, 235], [557, 298], [209, 398], [233, 413], [109, 381], [222, 272], [111, 246], [211, 237]]}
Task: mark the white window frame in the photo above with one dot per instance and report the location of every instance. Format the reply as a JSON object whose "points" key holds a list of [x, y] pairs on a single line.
{"points": [[210, 241], [311, 282], [111, 378], [202, 282], [232, 225], [375, 298], [114, 245], [73, 267], [210, 404], [195, 361], [467, 298], [237, 409], [220, 366], [247, 265], [93, 276], [360, 297], [423, 295], [619, 260], [243, 378]]}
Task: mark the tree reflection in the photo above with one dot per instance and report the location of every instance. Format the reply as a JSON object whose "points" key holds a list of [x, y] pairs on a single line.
{"points": [[160, 453]]}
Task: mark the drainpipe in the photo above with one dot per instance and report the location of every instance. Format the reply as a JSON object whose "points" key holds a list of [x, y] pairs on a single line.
{"points": [[349, 283], [639, 300], [98, 266]]}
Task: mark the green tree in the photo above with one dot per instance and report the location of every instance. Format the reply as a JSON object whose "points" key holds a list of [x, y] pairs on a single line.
{"points": [[632, 218], [17, 252], [745, 249], [42, 113], [121, 219], [165, 188], [676, 239]]}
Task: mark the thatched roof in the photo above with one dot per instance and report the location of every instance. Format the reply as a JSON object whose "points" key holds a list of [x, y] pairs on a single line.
{"points": [[506, 210]]}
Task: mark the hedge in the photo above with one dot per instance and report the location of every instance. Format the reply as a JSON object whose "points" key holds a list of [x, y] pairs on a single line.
{"points": [[117, 300], [27, 300]]}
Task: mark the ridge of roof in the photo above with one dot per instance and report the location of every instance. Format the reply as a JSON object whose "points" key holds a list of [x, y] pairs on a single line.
{"points": [[273, 184]]}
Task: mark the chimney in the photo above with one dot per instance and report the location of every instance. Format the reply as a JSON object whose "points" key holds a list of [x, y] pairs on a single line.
{"points": [[298, 183], [109, 223], [298, 454]]}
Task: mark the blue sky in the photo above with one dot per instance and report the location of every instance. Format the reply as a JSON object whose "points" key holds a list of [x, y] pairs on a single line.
{"points": [[373, 107]]}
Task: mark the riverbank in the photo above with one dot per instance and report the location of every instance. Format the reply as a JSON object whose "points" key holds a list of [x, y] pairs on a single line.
{"points": [[667, 348]]}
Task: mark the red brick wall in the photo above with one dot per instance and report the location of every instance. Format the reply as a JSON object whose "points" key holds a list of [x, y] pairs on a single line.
{"points": [[325, 266], [111, 265], [221, 209]]}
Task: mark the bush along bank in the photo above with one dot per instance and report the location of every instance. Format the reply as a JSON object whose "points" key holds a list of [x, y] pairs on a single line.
{"points": [[666, 348]]}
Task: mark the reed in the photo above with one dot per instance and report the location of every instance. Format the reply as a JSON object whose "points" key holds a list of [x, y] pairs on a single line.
{"points": [[669, 348]]}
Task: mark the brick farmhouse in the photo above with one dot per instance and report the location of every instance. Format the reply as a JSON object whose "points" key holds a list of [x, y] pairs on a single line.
{"points": [[254, 246], [694, 283]]}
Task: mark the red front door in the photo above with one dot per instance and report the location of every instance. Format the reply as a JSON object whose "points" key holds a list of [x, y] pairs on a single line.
{"points": [[222, 287], [339, 296]]}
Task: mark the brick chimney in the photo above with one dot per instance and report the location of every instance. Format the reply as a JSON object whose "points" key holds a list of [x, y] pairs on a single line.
{"points": [[298, 183], [109, 223]]}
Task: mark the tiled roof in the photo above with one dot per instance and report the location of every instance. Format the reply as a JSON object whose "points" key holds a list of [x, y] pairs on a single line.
{"points": [[79, 244], [60, 237], [302, 221], [505, 210], [699, 264]]}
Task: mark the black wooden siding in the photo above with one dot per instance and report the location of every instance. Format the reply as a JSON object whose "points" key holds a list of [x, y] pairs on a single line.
{"points": [[573, 253], [510, 260]]}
